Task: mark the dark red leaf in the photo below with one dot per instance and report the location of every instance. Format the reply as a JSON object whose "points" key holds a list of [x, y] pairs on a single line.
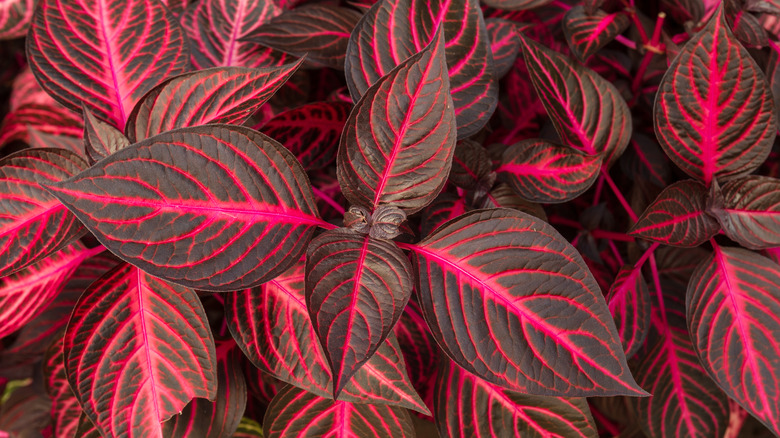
{"points": [[504, 44], [541, 171], [137, 350], [65, 409], [39, 139], [678, 216], [502, 196], [356, 289], [587, 33], [86, 429], [515, 5], [724, 125], [15, 17], [100, 138], [105, 54], [420, 351], [746, 26], [171, 206], [588, 112], [25, 90], [504, 279], [445, 207], [272, 326], [319, 31], [749, 211], [629, 302], [394, 30], [311, 132], [33, 224], [225, 95], [733, 314], [25, 412], [398, 142], [50, 119], [467, 406], [684, 10], [471, 166], [295, 413]]}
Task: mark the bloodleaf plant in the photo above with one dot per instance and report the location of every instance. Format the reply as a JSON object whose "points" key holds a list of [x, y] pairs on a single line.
{"points": [[389, 218]]}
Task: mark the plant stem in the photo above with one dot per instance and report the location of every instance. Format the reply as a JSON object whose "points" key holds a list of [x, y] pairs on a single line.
{"points": [[618, 195], [611, 235], [330, 201]]}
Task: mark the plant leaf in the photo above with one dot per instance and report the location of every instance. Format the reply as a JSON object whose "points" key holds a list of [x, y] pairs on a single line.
{"points": [[137, 350], [398, 142], [724, 125], [541, 171], [100, 138], [504, 44], [15, 17], [587, 33], [504, 278], [678, 216], [105, 54], [50, 119], [515, 5], [471, 166], [42, 140], [171, 206], [225, 95], [356, 289], [733, 314], [295, 413], [65, 409], [629, 302], [750, 211], [445, 207]]}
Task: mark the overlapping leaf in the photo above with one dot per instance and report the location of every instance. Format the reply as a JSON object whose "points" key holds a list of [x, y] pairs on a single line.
{"points": [[678, 216], [356, 289], [502, 196], [15, 17], [33, 224], [504, 44], [493, 287], [515, 5], [45, 118], [714, 112], [471, 166], [295, 413], [749, 211], [65, 409], [445, 207], [39, 139], [100, 138], [541, 171], [398, 142], [733, 314], [467, 407], [588, 111], [225, 95], [272, 326], [137, 350], [393, 30], [587, 33], [629, 302], [104, 53], [173, 207], [419, 349], [684, 10]]}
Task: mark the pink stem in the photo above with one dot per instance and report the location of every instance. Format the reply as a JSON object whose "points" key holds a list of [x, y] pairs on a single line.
{"points": [[618, 195], [611, 235], [330, 201], [615, 252]]}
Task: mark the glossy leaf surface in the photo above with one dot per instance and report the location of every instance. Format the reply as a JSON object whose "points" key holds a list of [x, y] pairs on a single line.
{"points": [[15, 18], [587, 33], [629, 302], [171, 206], [750, 211], [100, 138], [504, 44]]}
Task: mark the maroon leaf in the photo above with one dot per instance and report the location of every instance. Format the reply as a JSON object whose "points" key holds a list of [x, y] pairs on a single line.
{"points": [[733, 313], [45, 118], [419, 349], [746, 26], [319, 31], [311, 132], [25, 412], [39, 139], [471, 166], [504, 44], [33, 224], [86, 429], [399, 150], [100, 138], [393, 30], [504, 278], [105, 54], [684, 10], [725, 124], [356, 289], [25, 90], [295, 413], [467, 406], [587, 33], [678, 216], [65, 409], [541, 171], [445, 207], [164, 204], [272, 326], [749, 211], [629, 302], [137, 350], [15, 17], [225, 95], [502, 196], [515, 5], [588, 111]]}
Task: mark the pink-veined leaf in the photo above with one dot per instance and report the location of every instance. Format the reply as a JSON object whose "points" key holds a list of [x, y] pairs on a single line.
{"points": [[100, 138], [587, 33], [588, 112], [65, 409], [87, 429], [398, 142], [629, 303], [216, 29], [320, 31], [137, 350], [471, 166], [105, 54], [50, 119], [421, 354], [749, 211], [504, 279], [733, 314], [42, 140], [541, 171], [272, 326], [15, 17], [225, 95], [172, 207], [684, 10], [515, 5], [218, 418], [678, 216], [311, 132], [469, 407], [746, 27], [25, 412], [504, 44], [25, 90], [393, 30], [685, 402], [33, 224], [295, 413], [714, 112], [356, 289], [445, 207], [502, 196]]}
